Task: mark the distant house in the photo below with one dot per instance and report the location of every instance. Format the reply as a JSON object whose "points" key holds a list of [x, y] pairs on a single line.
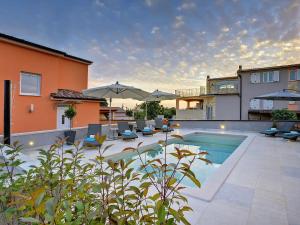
{"points": [[259, 81], [233, 98], [117, 114], [45, 82], [210, 102]]}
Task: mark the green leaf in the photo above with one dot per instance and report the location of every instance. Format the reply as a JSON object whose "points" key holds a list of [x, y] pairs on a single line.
{"points": [[50, 207], [161, 213], [29, 220], [79, 205], [39, 199]]}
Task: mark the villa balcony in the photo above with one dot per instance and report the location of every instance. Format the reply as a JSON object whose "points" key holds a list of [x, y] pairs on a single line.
{"points": [[191, 92]]}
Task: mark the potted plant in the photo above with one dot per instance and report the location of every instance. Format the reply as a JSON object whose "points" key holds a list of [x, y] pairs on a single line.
{"points": [[70, 135]]}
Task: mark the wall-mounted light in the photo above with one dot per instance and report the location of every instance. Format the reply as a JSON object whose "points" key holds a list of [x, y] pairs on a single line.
{"points": [[31, 108], [222, 126], [31, 143]]}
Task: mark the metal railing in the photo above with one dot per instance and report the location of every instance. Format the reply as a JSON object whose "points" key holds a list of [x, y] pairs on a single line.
{"points": [[224, 91], [191, 92]]}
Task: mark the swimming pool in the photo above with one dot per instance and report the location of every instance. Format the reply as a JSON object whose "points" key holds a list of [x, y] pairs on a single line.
{"points": [[218, 146]]}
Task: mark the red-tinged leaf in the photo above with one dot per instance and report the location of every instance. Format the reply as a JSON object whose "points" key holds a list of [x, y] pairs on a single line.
{"points": [[203, 153], [206, 160], [139, 144], [177, 136], [129, 149], [107, 147]]}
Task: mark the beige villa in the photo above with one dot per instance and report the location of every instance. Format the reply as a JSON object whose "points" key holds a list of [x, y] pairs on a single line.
{"points": [[232, 98]]}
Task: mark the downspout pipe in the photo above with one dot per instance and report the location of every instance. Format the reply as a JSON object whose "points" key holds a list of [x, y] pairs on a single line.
{"points": [[241, 88], [7, 113]]}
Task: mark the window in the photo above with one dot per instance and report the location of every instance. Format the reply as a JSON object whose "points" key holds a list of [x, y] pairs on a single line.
{"points": [[226, 86], [30, 84], [271, 77], [265, 77], [294, 75]]}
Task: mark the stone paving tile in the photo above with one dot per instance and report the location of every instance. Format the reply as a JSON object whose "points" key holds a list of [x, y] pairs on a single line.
{"points": [[291, 171], [269, 180], [268, 208], [236, 195], [293, 218], [221, 213], [266, 217]]}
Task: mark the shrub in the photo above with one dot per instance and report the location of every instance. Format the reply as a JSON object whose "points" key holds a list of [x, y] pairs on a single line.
{"points": [[283, 114], [65, 189]]}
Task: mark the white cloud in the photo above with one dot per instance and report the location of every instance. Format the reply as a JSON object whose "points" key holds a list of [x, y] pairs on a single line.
{"points": [[99, 3], [155, 30], [187, 6], [225, 29], [179, 22]]}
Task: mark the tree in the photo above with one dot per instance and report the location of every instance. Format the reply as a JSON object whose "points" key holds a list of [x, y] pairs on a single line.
{"points": [[153, 109], [169, 112], [70, 113], [129, 112]]}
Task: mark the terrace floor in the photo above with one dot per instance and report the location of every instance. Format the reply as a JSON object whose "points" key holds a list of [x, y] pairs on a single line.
{"points": [[262, 189]]}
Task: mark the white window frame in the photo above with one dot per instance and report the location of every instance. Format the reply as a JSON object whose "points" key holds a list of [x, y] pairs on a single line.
{"points": [[39, 83], [270, 76]]}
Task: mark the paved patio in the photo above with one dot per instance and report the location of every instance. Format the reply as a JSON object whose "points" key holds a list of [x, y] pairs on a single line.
{"points": [[263, 188]]}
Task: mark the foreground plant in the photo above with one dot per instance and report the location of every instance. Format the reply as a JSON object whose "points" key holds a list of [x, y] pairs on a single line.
{"points": [[66, 189]]}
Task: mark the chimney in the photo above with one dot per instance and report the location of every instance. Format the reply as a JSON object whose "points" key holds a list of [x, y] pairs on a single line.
{"points": [[240, 67], [207, 77]]}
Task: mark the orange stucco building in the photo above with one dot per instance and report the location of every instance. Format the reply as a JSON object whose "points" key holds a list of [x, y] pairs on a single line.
{"points": [[44, 82]]}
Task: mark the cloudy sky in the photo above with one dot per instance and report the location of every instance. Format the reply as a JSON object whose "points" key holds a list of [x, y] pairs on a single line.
{"points": [[164, 44]]}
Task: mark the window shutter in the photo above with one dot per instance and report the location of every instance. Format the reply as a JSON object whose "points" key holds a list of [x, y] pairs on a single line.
{"points": [[254, 104], [276, 76]]}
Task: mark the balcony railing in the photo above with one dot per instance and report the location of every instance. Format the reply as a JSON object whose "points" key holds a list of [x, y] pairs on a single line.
{"points": [[224, 91], [191, 92]]}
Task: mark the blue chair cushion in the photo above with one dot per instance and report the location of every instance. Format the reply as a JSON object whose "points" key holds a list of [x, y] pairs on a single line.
{"points": [[89, 139], [147, 129], [127, 133]]}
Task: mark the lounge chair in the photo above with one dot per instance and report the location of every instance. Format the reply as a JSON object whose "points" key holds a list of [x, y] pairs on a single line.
{"points": [[125, 132], [293, 135], [270, 132], [158, 123], [142, 127], [93, 129]]}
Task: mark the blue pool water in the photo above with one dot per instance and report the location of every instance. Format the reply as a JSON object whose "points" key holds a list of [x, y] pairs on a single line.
{"points": [[218, 146]]}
